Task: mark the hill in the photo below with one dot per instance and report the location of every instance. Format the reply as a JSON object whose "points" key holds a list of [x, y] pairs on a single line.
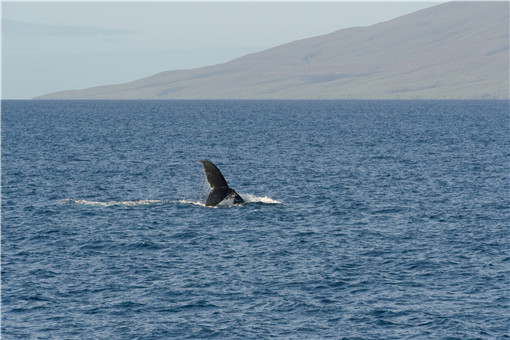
{"points": [[456, 50]]}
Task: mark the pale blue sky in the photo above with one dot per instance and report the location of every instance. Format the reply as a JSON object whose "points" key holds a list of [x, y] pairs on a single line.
{"points": [[49, 47]]}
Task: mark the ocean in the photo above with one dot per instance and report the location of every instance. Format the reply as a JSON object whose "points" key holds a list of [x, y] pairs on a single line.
{"points": [[363, 220]]}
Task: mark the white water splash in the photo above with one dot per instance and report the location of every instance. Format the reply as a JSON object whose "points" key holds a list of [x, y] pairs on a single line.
{"points": [[201, 204], [114, 203], [229, 203], [249, 198]]}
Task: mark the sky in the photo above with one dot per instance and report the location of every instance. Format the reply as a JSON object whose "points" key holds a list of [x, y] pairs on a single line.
{"points": [[55, 46]]}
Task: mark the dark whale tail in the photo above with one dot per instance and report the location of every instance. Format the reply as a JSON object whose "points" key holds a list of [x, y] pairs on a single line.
{"points": [[219, 187]]}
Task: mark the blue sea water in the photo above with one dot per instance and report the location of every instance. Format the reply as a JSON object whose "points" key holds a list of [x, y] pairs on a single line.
{"points": [[365, 220]]}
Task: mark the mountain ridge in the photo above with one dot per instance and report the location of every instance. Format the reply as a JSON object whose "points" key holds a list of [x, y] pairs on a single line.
{"points": [[456, 50]]}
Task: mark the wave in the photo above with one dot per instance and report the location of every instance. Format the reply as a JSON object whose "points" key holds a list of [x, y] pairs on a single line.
{"points": [[247, 197]]}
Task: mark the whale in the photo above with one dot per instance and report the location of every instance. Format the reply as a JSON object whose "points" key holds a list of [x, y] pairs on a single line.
{"points": [[220, 190]]}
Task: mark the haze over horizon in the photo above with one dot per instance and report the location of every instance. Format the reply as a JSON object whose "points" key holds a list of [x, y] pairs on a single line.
{"points": [[48, 47]]}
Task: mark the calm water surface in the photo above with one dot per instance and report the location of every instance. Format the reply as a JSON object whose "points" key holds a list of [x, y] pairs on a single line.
{"points": [[365, 219]]}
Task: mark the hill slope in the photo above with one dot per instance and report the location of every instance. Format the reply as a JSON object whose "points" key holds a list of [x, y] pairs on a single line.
{"points": [[457, 50]]}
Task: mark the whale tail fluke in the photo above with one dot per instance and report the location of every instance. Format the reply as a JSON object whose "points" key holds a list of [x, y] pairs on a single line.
{"points": [[214, 176], [219, 187]]}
